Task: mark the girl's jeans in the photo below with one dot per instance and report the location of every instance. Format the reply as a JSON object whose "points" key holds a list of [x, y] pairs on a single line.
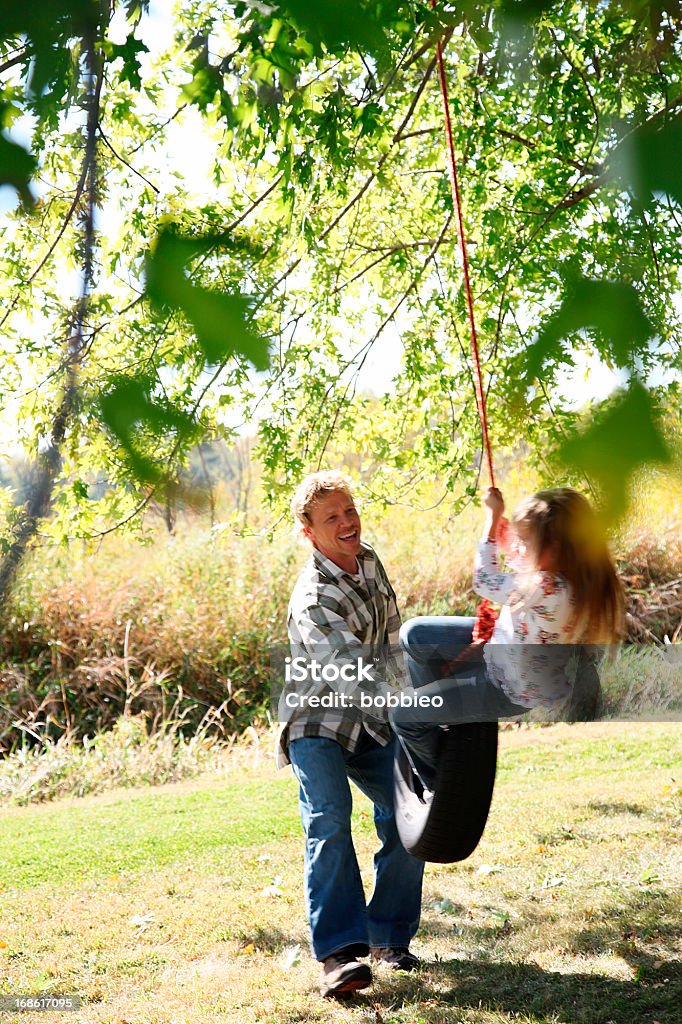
{"points": [[467, 696]]}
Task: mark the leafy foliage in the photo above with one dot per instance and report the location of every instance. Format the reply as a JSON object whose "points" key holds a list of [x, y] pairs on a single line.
{"points": [[128, 406], [610, 311], [16, 168], [658, 160], [328, 229]]}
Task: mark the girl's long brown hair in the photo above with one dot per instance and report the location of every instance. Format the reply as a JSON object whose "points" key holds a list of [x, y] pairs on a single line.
{"points": [[563, 522]]}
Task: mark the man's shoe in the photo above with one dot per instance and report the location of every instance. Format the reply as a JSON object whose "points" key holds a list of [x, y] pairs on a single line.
{"points": [[398, 958], [343, 974]]}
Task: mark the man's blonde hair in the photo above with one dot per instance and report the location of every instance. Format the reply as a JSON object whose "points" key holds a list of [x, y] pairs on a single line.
{"points": [[314, 487]]}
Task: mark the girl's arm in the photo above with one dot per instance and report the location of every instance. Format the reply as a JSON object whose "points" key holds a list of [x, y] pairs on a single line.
{"points": [[489, 580]]}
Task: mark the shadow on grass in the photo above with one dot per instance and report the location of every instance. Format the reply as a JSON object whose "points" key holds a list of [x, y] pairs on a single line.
{"points": [[615, 807], [529, 992], [269, 940], [444, 991], [650, 918], [644, 930]]}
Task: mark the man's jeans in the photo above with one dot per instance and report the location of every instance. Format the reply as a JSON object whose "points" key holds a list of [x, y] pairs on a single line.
{"points": [[335, 900], [467, 696]]}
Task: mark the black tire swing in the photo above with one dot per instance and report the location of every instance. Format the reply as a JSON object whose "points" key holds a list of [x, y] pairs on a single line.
{"points": [[446, 825]]}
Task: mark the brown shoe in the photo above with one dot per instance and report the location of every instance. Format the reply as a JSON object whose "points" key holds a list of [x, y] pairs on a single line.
{"points": [[343, 974], [398, 958]]}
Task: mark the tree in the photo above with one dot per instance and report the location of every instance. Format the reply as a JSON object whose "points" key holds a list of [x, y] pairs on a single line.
{"points": [[331, 220]]}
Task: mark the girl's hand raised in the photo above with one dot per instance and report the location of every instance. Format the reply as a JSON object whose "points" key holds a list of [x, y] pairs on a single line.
{"points": [[494, 502]]}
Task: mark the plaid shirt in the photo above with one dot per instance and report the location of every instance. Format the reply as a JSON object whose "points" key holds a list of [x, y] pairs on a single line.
{"points": [[356, 616]]}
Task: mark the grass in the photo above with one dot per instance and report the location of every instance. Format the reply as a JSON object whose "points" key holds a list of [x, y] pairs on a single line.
{"points": [[185, 903]]}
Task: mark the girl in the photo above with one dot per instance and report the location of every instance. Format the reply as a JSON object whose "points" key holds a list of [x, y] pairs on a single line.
{"points": [[561, 590]]}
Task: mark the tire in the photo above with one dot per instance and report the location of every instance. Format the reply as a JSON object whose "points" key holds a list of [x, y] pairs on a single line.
{"points": [[446, 825]]}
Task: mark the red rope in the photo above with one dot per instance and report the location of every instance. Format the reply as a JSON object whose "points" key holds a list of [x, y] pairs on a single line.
{"points": [[456, 198]]}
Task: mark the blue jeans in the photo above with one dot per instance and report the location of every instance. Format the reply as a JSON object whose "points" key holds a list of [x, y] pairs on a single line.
{"points": [[467, 695], [335, 900]]}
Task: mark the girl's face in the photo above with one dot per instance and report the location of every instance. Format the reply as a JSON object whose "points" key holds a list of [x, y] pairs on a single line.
{"points": [[524, 555], [521, 556]]}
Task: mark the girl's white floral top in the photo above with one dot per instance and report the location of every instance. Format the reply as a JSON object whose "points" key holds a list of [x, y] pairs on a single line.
{"points": [[529, 655]]}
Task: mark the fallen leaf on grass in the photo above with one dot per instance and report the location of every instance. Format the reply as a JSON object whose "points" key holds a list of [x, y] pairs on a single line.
{"points": [[273, 890], [554, 881], [292, 958], [142, 921], [445, 906], [247, 950]]}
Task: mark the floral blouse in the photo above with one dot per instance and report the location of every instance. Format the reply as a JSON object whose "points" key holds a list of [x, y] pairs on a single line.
{"points": [[529, 653]]}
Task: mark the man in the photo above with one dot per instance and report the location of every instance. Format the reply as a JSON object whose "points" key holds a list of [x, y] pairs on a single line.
{"points": [[343, 605]]}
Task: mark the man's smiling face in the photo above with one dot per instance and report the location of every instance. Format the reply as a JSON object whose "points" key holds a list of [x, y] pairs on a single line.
{"points": [[334, 529]]}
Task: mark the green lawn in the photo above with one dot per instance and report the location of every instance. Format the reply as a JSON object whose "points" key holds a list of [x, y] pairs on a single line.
{"points": [[185, 903], [142, 830]]}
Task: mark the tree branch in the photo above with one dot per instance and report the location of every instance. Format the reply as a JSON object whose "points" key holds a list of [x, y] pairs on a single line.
{"points": [[40, 500], [19, 59], [385, 251], [65, 223], [397, 137], [367, 347], [118, 156], [605, 174], [580, 165]]}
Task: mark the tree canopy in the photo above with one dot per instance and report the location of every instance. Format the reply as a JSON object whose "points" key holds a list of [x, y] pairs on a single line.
{"points": [[138, 318]]}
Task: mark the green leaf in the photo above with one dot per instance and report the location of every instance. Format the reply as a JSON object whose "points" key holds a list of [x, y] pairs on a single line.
{"points": [[220, 319], [624, 437], [80, 489], [128, 52], [611, 310], [338, 25], [658, 160], [51, 25], [16, 168], [127, 409]]}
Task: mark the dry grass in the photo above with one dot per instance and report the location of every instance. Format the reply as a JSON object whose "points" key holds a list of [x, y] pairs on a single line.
{"points": [[126, 755]]}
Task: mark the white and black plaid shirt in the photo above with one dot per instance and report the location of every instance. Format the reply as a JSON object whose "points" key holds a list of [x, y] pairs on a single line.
{"points": [[352, 615]]}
